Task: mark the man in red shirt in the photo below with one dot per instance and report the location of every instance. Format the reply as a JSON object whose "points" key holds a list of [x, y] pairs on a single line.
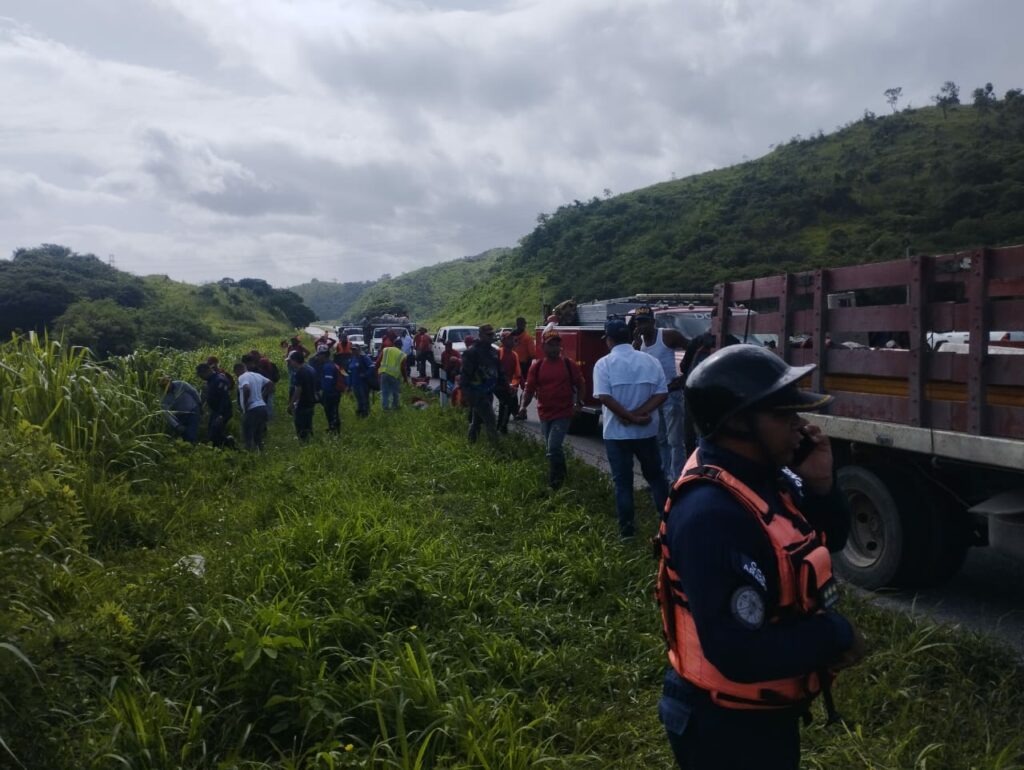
{"points": [[508, 398], [424, 347], [557, 383]]}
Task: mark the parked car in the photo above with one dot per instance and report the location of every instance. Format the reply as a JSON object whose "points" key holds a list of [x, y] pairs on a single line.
{"points": [[457, 335]]}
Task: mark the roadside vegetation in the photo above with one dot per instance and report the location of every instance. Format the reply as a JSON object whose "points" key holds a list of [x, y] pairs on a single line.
{"points": [[88, 302], [390, 598]]}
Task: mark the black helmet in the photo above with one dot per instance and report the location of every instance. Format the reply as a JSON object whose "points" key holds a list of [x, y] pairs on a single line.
{"points": [[738, 377]]}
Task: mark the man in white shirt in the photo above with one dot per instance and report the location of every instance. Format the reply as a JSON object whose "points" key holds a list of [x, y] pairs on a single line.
{"points": [[253, 391], [630, 386]]}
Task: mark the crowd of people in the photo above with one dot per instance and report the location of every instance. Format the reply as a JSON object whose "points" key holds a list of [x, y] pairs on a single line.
{"points": [[748, 514]]}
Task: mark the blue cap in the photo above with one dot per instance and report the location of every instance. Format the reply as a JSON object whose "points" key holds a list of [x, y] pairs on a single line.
{"points": [[617, 331]]}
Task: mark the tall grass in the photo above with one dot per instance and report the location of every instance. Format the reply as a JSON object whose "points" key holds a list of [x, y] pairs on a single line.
{"points": [[397, 598]]}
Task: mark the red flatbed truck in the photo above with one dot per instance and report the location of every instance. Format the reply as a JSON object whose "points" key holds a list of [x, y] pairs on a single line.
{"points": [[929, 442]]}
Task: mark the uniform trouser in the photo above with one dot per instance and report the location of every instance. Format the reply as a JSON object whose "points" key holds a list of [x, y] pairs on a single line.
{"points": [[481, 415], [554, 432], [331, 402], [703, 735], [304, 422], [671, 435], [424, 357], [389, 387], [620, 457], [254, 427], [361, 391], [189, 422], [508, 405], [217, 428]]}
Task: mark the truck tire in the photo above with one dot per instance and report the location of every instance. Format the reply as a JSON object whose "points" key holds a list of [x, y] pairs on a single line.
{"points": [[875, 545]]}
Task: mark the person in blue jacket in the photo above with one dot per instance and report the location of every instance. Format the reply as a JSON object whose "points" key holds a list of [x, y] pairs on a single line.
{"points": [[745, 585], [361, 373], [329, 375]]}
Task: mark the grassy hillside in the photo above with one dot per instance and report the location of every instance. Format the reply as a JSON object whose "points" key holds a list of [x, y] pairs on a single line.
{"points": [[918, 180], [331, 300], [51, 288], [428, 293]]}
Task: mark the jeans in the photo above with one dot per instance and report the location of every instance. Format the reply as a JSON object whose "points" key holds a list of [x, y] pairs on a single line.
{"points": [[389, 391], [254, 427], [330, 402], [554, 432], [424, 357], [304, 422], [620, 457], [481, 414], [362, 393], [671, 435]]}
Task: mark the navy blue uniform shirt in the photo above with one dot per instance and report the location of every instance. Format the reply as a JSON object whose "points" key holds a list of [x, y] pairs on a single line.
{"points": [[718, 547]]}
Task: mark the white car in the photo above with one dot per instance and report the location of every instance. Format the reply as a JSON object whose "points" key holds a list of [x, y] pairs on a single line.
{"points": [[457, 336]]}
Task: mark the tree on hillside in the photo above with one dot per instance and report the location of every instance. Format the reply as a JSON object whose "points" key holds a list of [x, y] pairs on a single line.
{"points": [[984, 98], [892, 95], [947, 96], [101, 325]]}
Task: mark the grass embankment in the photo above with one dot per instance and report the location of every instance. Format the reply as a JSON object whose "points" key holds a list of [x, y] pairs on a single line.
{"points": [[392, 597]]}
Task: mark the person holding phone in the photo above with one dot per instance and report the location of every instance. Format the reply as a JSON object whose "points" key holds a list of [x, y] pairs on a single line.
{"points": [[745, 582]]}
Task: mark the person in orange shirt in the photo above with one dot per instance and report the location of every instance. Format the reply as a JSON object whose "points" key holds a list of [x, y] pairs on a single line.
{"points": [[508, 401], [525, 347]]}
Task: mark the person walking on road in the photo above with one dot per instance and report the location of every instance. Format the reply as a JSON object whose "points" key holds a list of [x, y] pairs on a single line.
{"points": [[481, 376], [302, 401], [557, 383], [663, 344], [508, 397], [525, 348], [253, 394], [745, 579], [424, 352], [630, 386], [217, 397]]}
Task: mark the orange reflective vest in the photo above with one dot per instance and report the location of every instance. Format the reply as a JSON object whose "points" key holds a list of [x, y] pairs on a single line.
{"points": [[805, 587]]}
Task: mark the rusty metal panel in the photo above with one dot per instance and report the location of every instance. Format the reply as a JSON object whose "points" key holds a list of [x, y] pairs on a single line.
{"points": [[784, 330], [979, 336], [869, 319], [1006, 421], [743, 291], [870, 276], [802, 321], [864, 406], [918, 348], [1006, 315], [801, 356], [1006, 263], [940, 317], [1004, 370], [820, 316], [869, 363], [1009, 287], [947, 367], [720, 318], [940, 415]]}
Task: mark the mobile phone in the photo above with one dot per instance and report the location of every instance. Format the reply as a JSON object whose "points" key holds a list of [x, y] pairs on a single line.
{"points": [[803, 451]]}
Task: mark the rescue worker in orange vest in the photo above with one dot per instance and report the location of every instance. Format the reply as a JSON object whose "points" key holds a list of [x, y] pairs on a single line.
{"points": [[744, 581], [508, 397]]}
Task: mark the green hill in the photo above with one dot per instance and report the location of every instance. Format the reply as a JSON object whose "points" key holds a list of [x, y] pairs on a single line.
{"points": [[425, 294], [918, 180], [51, 288], [331, 300]]}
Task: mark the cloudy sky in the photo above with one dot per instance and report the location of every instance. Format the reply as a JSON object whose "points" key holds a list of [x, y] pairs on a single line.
{"points": [[343, 139]]}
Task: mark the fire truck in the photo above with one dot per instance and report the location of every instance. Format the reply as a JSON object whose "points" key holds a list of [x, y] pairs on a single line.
{"points": [[583, 341]]}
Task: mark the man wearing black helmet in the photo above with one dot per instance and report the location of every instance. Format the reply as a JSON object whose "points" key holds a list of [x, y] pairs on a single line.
{"points": [[744, 581]]}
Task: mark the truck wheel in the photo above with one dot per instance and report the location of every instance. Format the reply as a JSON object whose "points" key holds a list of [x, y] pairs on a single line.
{"points": [[874, 547]]}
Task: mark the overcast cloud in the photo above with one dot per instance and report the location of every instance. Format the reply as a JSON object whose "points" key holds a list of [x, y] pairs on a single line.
{"points": [[290, 139]]}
